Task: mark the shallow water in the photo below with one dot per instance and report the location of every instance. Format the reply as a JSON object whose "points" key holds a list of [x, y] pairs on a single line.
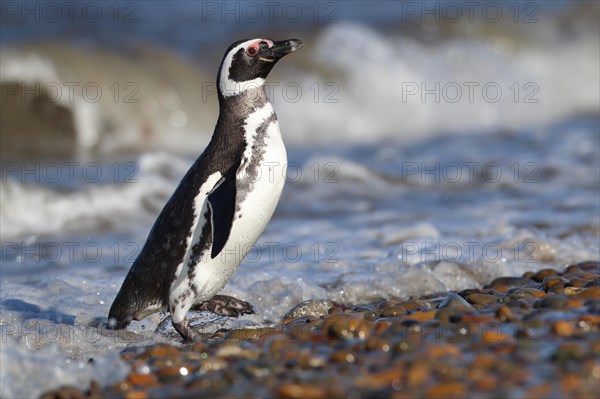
{"points": [[387, 194], [362, 222]]}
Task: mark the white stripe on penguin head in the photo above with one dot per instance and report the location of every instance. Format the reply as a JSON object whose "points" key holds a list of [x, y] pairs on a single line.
{"points": [[230, 87]]}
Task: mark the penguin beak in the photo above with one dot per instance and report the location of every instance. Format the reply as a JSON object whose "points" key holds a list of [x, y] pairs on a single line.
{"points": [[281, 48]]}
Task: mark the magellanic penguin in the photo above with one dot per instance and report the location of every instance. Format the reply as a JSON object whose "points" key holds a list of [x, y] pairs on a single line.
{"points": [[221, 206]]}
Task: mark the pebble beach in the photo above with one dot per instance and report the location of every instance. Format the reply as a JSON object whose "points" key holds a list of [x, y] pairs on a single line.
{"points": [[535, 336]]}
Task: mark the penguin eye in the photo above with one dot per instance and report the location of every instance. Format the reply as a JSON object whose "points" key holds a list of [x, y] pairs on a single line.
{"points": [[252, 51]]}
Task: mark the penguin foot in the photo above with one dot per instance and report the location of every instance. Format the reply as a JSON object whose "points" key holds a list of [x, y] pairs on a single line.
{"points": [[186, 331], [224, 305]]}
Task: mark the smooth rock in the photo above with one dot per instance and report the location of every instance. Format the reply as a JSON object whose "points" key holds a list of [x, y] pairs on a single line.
{"points": [[311, 307], [163, 350], [342, 326], [542, 274], [577, 282], [393, 311], [589, 293], [290, 390], [442, 350], [448, 390], [526, 294], [511, 282], [142, 379], [563, 328], [418, 374], [481, 299], [504, 313], [378, 344], [551, 283], [553, 302], [453, 300], [246, 334]]}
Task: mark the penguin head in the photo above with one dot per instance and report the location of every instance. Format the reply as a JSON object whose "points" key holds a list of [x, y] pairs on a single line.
{"points": [[247, 63]]}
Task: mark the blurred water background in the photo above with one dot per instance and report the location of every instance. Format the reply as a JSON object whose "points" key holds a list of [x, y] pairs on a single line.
{"points": [[432, 146]]}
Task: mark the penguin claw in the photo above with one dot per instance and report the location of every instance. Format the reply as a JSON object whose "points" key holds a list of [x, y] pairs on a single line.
{"points": [[225, 305], [186, 331]]}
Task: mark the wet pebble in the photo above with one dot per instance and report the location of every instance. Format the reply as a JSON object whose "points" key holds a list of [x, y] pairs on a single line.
{"points": [[481, 299], [448, 390], [394, 311], [542, 274], [527, 294], [415, 305], [453, 300], [511, 282], [552, 283], [142, 379], [344, 326], [301, 391], [588, 293], [311, 307], [504, 313], [552, 302]]}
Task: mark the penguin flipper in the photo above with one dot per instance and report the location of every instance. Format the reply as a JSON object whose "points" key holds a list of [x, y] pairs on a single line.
{"points": [[221, 202]]}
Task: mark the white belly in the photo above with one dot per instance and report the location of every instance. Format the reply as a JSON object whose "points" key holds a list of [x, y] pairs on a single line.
{"points": [[254, 211], [252, 215]]}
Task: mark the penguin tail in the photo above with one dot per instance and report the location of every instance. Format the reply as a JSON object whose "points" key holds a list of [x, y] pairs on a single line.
{"points": [[119, 315], [134, 300], [130, 305]]}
